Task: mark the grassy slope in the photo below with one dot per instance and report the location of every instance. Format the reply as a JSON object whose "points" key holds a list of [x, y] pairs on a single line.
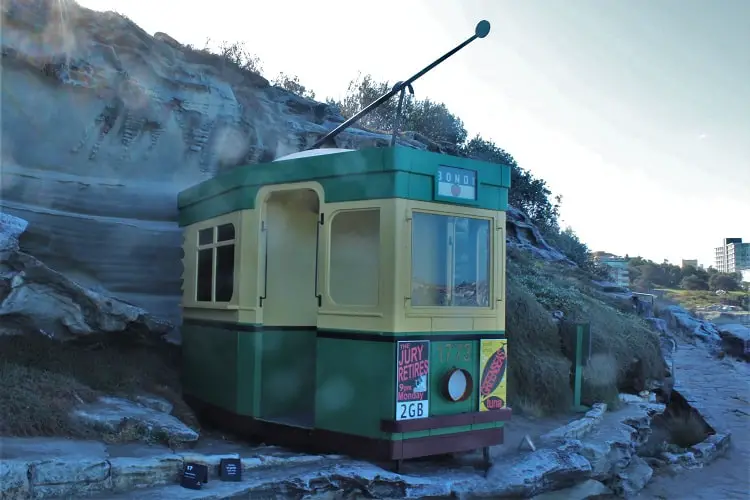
{"points": [[539, 372]]}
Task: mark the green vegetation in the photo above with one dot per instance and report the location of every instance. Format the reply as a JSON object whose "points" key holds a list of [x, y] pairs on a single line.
{"points": [[699, 299], [646, 274], [539, 380]]}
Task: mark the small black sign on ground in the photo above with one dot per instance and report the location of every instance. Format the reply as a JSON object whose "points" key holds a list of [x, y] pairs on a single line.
{"points": [[194, 476], [230, 469]]}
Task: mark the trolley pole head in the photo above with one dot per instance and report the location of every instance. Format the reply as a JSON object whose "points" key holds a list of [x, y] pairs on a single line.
{"points": [[481, 30]]}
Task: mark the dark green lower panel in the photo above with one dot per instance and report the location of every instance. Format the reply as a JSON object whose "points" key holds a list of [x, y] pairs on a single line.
{"points": [[437, 442], [355, 386], [287, 385], [268, 373], [210, 360], [338, 382]]}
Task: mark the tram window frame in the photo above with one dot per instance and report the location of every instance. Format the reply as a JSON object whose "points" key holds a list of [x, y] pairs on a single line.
{"points": [[447, 298], [333, 260], [215, 267]]}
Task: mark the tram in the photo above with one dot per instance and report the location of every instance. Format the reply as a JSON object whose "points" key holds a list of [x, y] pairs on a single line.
{"points": [[349, 302]]}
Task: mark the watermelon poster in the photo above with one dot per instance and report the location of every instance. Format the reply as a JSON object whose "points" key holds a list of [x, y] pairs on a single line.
{"points": [[493, 367]]}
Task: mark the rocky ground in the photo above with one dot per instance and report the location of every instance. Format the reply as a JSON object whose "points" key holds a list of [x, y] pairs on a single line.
{"points": [[598, 452], [720, 390]]}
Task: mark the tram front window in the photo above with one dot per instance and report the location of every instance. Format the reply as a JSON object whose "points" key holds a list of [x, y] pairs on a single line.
{"points": [[450, 261]]}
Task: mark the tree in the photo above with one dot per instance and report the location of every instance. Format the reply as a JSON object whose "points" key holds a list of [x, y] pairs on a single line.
{"points": [[293, 85], [434, 120], [693, 282], [528, 194], [722, 281], [570, 244], [430, 118], [651, 274]]}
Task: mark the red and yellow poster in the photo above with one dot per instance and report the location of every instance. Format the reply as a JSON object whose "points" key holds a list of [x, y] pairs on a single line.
{"points": [[493, 363]]}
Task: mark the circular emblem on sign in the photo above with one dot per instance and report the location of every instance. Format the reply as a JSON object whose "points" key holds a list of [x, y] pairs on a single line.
{"points": [[457, 385], [455, 190]]}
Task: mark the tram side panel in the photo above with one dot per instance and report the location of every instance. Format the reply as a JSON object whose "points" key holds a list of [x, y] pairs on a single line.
{"points": [[218, 337]]}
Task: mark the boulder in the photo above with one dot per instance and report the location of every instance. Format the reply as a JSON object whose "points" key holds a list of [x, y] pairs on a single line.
{"points": [[578, 428], [522, 234], [154, 402], [677, 318], [10, 230], [60, 478], [135, 473], [658, 324], [37, 298], [128, 419], [52, 468], [537, 472], [14, 479], [736, 340], [589, 489], [632, 479], [613, 445]]}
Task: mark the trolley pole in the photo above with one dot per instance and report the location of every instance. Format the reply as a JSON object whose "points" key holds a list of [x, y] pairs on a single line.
{"points": [[482, 30]]}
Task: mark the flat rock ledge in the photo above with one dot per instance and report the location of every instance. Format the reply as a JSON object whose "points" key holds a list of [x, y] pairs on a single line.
{"points": [[148, 419], [698, 455], [595, 455]]}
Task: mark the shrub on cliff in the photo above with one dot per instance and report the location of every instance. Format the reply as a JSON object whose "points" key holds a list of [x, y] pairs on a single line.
{"points": [[625, 352], [292, 84], [430, 118]]}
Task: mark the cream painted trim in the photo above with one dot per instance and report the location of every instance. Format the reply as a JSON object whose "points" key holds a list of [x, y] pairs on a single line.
{"points": [[324, 264], [260, 214], [190, 264], [499, 262], [263, 193], [405, 288], [378, 317], [323, 312]]}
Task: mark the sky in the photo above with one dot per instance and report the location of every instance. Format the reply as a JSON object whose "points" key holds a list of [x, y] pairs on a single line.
{"points": [[637, 112]]}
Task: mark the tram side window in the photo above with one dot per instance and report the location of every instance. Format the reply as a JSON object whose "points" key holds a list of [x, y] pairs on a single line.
{"points": [[450, 261], [215, 264], [354, 268]]}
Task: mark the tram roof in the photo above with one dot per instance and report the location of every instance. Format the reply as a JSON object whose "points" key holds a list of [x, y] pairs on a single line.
{"points": [[346, 175]]}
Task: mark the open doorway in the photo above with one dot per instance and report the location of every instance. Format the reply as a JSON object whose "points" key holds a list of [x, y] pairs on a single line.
{"points": [[290, 306]]}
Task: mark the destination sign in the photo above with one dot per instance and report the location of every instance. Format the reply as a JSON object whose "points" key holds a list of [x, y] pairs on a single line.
{"points": [[458, 183]]}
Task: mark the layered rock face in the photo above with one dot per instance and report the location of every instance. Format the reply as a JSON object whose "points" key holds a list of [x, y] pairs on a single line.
{"points": [[34, 297]]}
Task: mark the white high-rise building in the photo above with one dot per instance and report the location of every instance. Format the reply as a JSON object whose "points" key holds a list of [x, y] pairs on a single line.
{"points": [[732, 256]]}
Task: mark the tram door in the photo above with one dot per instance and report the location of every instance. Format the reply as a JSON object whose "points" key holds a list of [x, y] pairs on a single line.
{"points": [[290, 228]]}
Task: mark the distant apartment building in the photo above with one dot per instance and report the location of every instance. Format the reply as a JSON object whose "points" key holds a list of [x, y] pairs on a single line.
{"points": [[732, 256], [617, 267], [689, 263]]}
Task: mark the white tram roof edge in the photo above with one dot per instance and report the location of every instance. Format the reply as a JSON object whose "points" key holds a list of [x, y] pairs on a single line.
{"points": [[312, 152]]}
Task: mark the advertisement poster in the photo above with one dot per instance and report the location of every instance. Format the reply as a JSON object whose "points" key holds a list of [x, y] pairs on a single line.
{"points": [[493, 362], [412, 371]]}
